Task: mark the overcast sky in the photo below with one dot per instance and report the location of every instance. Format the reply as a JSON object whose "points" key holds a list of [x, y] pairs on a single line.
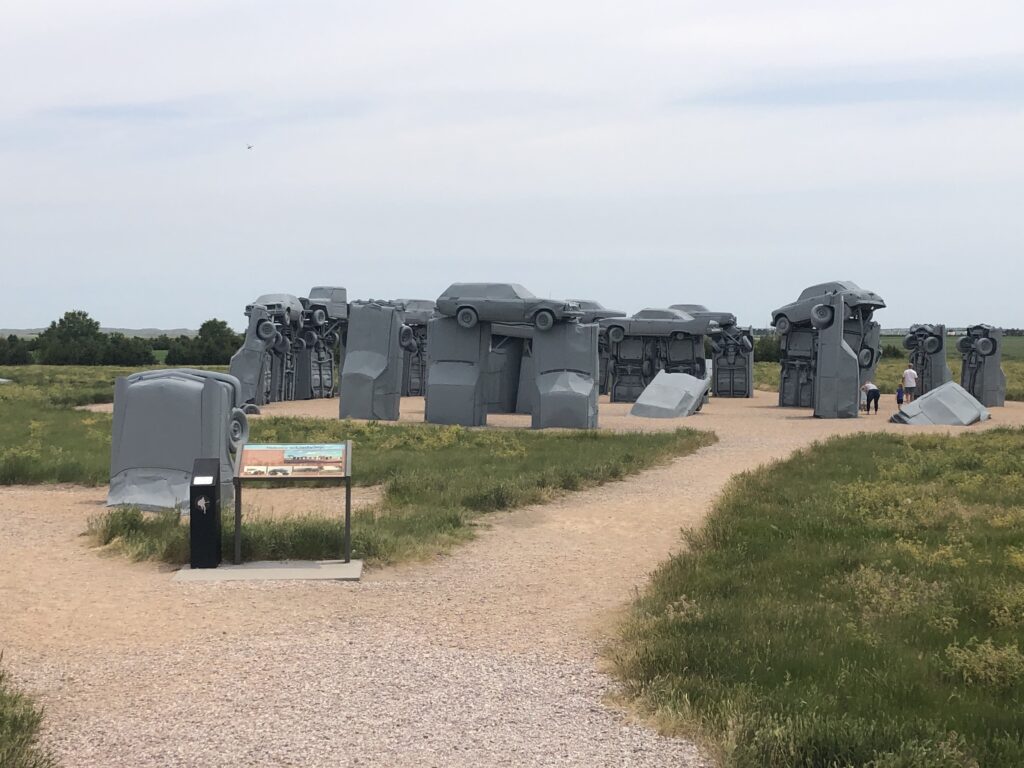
{"points": [[638, 153]]}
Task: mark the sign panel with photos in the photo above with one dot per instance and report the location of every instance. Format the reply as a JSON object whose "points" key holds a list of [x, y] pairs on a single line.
{"points": [[296, 460]]}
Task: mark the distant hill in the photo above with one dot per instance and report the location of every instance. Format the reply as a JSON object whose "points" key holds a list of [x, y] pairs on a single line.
{"points": [[146, 333]]}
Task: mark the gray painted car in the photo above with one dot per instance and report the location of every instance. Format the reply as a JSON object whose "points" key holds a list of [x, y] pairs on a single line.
{"points": [[724, 319], [595, 310], [470, 303], [657, 322], [332, 301], [801, 311], [283, 308]]}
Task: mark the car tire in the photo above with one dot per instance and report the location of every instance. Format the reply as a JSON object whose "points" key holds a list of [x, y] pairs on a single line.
{"points": [[866, 357], [678, 335], [822, 315], [250, 409], [467, 317], [265, 330], [985, 346], [616, 334], [964, 344], [319, 317], [544, 320], [407, 338], [238, 429], [910, 341], [310, 337], [932, 344], [782, 324]]}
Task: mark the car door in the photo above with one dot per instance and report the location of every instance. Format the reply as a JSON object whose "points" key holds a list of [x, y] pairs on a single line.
{"points": [[508, 306]]}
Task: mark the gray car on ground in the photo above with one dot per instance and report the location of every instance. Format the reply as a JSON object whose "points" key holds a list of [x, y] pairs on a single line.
{"points": [[470, 303], [657, 322], [801, 311]]}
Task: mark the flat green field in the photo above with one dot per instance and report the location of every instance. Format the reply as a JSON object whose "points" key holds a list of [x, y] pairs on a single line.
{"points": [[859, 604]]}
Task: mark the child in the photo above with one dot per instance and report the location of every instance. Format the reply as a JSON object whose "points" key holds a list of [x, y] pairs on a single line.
{"points": [[899, 395]]}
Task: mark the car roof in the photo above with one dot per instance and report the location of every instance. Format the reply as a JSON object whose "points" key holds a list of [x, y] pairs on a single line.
{"points": [[486, 290], [836, 286], [656, 313]]}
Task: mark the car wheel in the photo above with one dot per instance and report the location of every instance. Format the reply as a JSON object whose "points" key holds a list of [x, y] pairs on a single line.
{"points": [[985, 346], [964, 344], [310, 338], [910, 341], [678, 335], [616, 334], [319, 317], [467, 317], [238, 429], [866, 357], [821, 315], [782, 324], [932, 344], [406, 338], [251, 410], [265, 330], [544, 320]]}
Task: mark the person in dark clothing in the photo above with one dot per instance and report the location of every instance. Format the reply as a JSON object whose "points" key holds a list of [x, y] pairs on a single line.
{"points": [[873, 395]]}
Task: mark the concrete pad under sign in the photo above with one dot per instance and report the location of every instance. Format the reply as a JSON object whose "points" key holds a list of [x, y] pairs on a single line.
{"points": [[276, 570]]}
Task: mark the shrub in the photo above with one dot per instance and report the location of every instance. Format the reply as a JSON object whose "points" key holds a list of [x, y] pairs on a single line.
{"points": [[19, 729]]}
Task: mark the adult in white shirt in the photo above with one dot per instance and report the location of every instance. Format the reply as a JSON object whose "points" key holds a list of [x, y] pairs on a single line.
{"points": [[872, 395], [909, 383]]}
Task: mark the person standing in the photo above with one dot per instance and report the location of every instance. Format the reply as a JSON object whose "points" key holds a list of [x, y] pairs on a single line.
{"points": [[899, 394], [873, 395], [909, 384]]}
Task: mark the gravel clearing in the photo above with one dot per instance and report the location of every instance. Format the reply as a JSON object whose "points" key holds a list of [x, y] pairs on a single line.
{"points": [[487, 656]]}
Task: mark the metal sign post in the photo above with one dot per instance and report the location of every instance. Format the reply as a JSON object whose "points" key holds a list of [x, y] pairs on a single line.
{"points": [[296, 462]]}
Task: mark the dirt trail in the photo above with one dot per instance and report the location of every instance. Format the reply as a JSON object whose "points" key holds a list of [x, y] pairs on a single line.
{"points": [[112, 647]]}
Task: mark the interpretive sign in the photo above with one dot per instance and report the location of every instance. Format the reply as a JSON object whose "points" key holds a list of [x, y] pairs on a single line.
{"points": [[297, 460]]}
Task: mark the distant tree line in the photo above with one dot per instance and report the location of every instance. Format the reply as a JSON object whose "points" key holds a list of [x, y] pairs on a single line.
{"points": [[15, 351], [76, 339], [214, 345]]}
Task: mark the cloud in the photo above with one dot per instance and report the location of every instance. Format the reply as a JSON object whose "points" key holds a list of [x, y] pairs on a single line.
{"points": [[999, 83]]}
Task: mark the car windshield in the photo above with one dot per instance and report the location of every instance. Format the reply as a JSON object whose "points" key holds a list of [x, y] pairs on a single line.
{"points": [[521, 292]]}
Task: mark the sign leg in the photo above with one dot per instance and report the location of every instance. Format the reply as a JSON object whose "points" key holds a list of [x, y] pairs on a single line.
{"points": [[238, 521], [348, 519]]}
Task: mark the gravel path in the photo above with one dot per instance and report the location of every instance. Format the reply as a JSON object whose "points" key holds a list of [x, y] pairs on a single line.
{"points": [[488, 656]]}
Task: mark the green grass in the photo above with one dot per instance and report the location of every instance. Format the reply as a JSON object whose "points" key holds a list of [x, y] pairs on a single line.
{"points": [[437, 482], [766, 375], [859, 604], [19, 729], [42, 438], [71, 385]]}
